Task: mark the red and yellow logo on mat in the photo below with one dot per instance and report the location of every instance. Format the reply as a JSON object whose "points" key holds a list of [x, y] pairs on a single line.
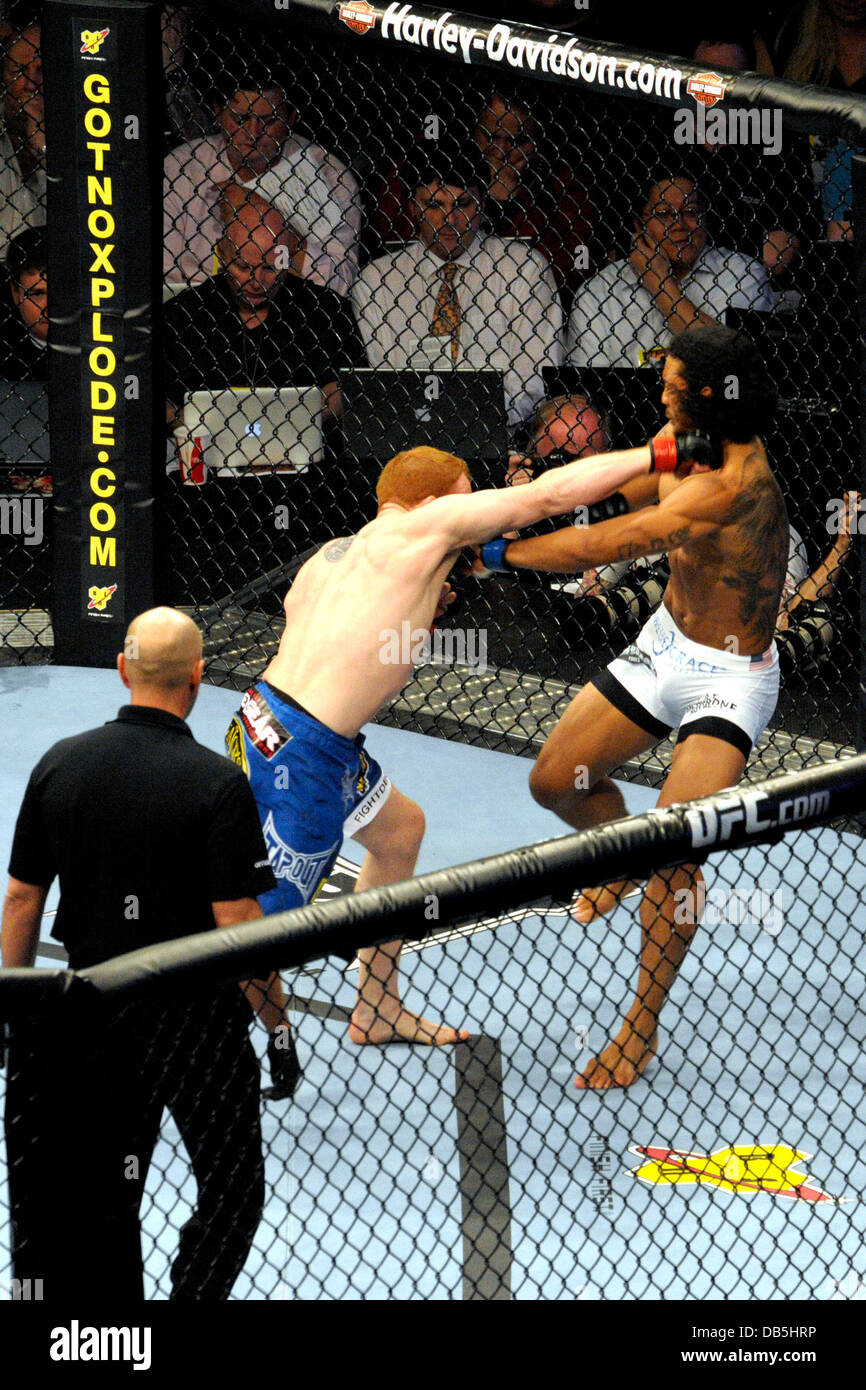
{"points": [[746, 1168]]}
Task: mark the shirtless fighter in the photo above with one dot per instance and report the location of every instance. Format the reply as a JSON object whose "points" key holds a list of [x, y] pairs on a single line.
{"points": [[704, 664], [297, 733]]}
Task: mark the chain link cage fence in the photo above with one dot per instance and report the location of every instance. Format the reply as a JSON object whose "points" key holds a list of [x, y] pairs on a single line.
{"points": [[311, 329], [25, 471], [544, 340], [475, 1172]]}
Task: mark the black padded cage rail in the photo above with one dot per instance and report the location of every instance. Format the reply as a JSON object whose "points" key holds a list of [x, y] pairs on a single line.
{"points": [[473, 1172]]}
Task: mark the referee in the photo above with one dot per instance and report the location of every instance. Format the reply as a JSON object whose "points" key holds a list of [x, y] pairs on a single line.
{"points": [[152, 837]]}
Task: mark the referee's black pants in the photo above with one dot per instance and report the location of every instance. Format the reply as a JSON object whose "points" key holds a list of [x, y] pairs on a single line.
{"points": [[83, 1113], [201, 1066]]}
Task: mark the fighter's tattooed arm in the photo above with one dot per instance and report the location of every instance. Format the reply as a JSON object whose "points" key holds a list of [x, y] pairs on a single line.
{"points": [[655, 545], [577, 548]]}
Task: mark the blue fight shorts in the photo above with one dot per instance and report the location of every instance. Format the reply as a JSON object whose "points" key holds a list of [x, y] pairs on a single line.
{"points": [[311, 786]]}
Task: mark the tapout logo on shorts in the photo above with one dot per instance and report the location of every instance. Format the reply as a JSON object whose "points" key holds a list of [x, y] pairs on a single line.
{"points": [[305, 871]]}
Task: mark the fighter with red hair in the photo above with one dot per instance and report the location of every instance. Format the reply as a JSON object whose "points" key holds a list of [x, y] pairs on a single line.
{"points": [[298, 731]]}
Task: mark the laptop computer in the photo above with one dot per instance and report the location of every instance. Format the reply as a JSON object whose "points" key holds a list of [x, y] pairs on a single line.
{"points": [[24, 424], [263, 429], [459, 411], [628, 397]]}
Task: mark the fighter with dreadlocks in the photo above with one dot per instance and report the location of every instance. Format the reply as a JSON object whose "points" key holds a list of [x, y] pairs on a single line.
{"points": [[705, 664]]}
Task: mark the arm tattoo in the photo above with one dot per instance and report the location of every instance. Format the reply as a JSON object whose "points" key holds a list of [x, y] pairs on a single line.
{"points": [[631, 550], [337, 549]]}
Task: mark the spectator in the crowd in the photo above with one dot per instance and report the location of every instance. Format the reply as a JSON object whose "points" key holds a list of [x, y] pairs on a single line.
{"points": [[183, 855], [563, 429], [528, 194], [566, 428], [186, 114], [823, 42], [761, 204], [22, 143], [806, 625], [492, 302], [254, 145], [24, 326], [673, 278], [24, 309], [257, 323]]}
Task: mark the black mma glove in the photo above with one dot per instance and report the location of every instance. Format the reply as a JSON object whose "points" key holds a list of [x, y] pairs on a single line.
{"points": [[670, 452]]}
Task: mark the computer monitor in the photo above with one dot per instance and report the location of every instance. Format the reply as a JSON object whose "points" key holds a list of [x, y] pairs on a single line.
{"points": [[461, 412], [265, 429]]}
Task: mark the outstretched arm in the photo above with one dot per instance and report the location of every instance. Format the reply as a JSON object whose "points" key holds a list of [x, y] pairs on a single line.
{"points": [[471, 519], [698, 506]]}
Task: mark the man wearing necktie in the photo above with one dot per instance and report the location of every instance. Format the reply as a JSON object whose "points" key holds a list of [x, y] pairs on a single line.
{"points": [[446, 314], [447, 220], [491, 301]]}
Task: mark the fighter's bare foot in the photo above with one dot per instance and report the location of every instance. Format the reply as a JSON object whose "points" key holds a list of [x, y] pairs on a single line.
{"points": [[621, 1062], [598, 902], [370, 1025]]}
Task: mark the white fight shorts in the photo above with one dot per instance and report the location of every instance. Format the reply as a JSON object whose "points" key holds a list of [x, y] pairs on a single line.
{"points": [[664, 681]]}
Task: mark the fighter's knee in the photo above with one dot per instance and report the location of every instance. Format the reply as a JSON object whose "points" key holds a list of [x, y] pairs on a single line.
{"points": [[541, 786], [410, 830], [549, 785]]}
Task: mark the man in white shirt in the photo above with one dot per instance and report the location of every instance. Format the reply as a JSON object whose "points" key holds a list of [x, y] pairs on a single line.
{"points": [[673, 278], [492, 301], [22, 144], [253, 145]]}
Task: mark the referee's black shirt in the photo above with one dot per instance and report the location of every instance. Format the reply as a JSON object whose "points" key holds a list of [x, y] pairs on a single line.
{"points": [[145, 828]]}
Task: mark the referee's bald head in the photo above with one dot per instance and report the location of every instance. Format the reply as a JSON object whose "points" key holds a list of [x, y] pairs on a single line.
{"points": [[161, 650]]}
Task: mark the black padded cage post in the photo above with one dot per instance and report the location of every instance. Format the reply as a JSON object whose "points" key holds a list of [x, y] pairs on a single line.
{"points": [[102, 75]]}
